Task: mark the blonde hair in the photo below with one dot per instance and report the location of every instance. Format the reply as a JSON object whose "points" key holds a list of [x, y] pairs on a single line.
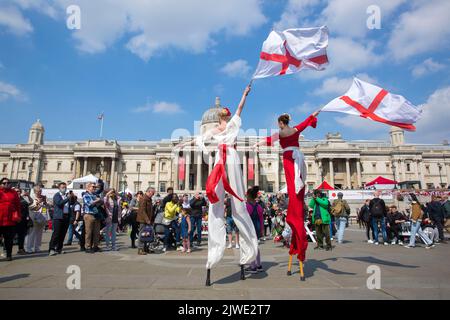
{"points": [[224, 113]]}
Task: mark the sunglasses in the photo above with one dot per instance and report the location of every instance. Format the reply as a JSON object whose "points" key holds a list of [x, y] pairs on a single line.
{"points": [[5, 183]]}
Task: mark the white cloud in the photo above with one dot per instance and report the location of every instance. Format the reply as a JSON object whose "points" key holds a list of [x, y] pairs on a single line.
{"points": [[12, 19], [294, 11], [434, 126], [155, 25], [237, 68], [9, 91], [423, 29], [338, 86], [427, 67], [359, 124], [161, 107], [303, 108], [42, 6]]}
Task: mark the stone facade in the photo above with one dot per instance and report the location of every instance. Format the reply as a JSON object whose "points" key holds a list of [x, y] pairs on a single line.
{"points": [[138, 164]]}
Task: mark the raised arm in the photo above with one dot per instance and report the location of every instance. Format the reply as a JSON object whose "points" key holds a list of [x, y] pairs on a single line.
{"points": [[242, 103], [310, 121]]}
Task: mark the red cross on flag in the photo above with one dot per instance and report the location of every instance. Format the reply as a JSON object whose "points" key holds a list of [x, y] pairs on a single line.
{"points": [[369, 101], [291, 50]]}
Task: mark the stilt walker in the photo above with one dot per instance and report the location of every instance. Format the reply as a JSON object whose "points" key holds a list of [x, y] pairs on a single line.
{"points": [[227, 176]]}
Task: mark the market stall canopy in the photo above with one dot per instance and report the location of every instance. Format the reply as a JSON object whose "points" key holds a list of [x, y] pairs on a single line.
{"points": [[76, 183], [325, 186], [381, 183]]}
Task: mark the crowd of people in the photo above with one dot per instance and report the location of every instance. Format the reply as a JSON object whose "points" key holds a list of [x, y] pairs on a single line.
{"points": [[99, 215]]}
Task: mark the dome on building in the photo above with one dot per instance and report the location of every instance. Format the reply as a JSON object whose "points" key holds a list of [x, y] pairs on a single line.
{"points": [[211, 116], [36, 133]]}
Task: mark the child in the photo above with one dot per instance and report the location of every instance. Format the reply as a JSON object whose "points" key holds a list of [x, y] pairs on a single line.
{"points": [[185, 229]]}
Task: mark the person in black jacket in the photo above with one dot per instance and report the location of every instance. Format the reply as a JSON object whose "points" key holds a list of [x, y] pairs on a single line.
{"points": [[23, 225], [197, 203], [168, 197], [378, 213], [60, 220], [394, 222], [436, 213]]}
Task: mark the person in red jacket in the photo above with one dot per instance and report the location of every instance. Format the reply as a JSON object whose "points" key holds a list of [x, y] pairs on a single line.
{"points": [[9, 215]]}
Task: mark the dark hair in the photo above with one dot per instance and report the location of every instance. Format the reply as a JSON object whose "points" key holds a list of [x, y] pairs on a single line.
{"points": [[173, 196], [317, 193], [61, 183], [187, 210], [252, 192], [284, 118], [170, 189], [3, 179]]}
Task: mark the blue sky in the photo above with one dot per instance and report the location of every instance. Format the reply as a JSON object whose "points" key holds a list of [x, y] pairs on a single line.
{"points": [[153, 66]]}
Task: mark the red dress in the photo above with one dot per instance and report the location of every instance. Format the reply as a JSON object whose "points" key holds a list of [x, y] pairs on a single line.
{"points": [[295, 212]]}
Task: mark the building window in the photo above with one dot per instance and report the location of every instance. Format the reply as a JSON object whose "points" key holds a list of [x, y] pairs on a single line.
{"points": [[45, 166], [24, 164], [387, 167], [163, 166], [152, 167], [58, 166], [430, 186], [137, 186], [138, 166], [5, 166], [71, 166], [162, 187], [124, 166], [427, 168], [408, 167], [270, 187], [374, 166]]}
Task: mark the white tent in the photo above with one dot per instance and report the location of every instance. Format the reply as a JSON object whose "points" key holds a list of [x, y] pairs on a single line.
{"points": [[80, 183]]}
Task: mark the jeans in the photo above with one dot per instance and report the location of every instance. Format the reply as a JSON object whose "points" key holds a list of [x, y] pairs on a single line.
{"points": [[196, 224], [331, 226], [110, 235], [70, 234], [174, 225], [376, 231], [340, 224], [416, 229]]}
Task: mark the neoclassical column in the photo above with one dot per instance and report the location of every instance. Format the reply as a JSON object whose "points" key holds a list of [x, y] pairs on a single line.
{"points": [[75, 165], [330, 162], [175, 168], [10, 167], [277, 171], [113, 173], [85, 164], [187, 171], [157, 168], [199, 170], [422, 174], [170, 166], [256, 169], [403, 170], [245, 169], [16, 176], [358, 172], [417, 170], [210, 163], [347, 171], [38, 171]]}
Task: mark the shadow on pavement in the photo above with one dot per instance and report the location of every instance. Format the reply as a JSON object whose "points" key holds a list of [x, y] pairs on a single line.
{"points": [[235, 277], [373, 260], [14, 277]]}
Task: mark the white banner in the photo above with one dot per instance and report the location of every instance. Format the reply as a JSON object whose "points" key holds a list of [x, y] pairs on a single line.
{"points": [[360, 194]]}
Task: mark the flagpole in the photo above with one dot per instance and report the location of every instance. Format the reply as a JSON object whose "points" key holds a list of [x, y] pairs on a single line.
{"points": [[101, 125]]}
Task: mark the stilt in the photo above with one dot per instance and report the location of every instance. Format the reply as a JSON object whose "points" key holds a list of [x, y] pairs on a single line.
{"points": [[289, 265], [302, 274], [242, 272], [208, 277]]}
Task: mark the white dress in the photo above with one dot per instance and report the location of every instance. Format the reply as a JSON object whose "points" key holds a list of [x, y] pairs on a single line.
{"points": [[248, 241]]}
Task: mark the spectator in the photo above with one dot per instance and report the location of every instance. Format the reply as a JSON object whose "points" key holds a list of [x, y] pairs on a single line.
{"points": [[9, 215], [171, 210], [60, 220], [145, 217], [256, 214], [185, 229], [230, 225], [72, 217], [341, 211], [25, 221], [321, 219], [378, 213], [446, 204], [78, 225], [436, 213], [112, 207], [185, 202], [364, 216], [197, 203], [134, 208], [92, 218], [38, 214], [168, 197], [416, 218], [394, 225]]}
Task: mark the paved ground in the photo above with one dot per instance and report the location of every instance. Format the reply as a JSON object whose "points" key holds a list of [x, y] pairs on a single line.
{"points": [[339, 274]]}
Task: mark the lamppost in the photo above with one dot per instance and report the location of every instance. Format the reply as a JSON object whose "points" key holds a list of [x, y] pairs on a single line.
{"points": [[393, 170], [139, 177]]}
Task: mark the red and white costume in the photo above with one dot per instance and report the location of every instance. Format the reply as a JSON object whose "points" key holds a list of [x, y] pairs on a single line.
{"points": [[295, 172]]}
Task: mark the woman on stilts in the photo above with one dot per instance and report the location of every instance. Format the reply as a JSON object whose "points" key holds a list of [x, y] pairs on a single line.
{"points": [[295, 173], [227, 176]]}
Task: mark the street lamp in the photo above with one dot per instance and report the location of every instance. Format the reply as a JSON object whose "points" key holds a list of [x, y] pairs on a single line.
{"points": [[393, 170], [139, 177], [124, 182], [440, 174]]}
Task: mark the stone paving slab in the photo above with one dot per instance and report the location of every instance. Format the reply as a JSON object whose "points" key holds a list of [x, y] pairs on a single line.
{"points": [[338, 274]]}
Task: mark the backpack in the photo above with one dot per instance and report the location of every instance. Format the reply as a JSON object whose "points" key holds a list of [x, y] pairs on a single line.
{"points": [[377, 209], [338, 208]]}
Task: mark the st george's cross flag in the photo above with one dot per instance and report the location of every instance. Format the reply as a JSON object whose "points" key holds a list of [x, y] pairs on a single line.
{"points": [[370, 101], [291, 50]]}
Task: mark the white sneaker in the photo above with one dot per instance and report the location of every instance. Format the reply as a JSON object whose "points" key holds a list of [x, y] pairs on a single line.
{"points": [[392, 242], [180, 248], [237, 246], [183, 250], [386, 244], [188, 250], [164, 250], [377, 243], [229, 246], [370, 241], [331, 239], [400, 243]]}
